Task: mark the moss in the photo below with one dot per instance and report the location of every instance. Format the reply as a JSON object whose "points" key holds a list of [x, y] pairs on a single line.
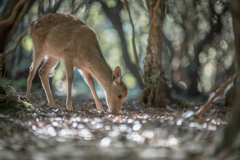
{"points": [[11, 104]]}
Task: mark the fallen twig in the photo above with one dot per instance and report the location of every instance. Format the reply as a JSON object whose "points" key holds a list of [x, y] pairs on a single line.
{"points": [[217, 93]]}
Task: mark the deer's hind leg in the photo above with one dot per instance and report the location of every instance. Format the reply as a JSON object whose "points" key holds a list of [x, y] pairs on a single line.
{"points": [[38, 56], [48, 64]]}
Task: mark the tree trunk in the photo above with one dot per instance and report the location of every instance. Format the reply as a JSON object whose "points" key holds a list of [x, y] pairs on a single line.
{"points": [[156, 89]]}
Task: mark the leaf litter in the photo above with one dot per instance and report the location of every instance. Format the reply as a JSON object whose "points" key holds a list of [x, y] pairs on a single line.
{"points": [[172, 132]]}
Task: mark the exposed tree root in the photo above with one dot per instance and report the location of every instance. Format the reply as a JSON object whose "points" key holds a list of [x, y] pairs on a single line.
{"points": [[157, 97]]}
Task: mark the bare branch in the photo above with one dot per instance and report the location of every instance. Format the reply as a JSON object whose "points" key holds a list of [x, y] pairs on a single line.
{"points": [[56, 6], [154, 16], [133, 42], [217, 93], [78, 7], [39, 5], [113, 15], [11, 19], [18, 19], [2, 55], [49, 6]]}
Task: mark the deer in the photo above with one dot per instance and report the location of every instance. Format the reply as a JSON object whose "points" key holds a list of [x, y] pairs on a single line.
{"points": [[64, 37]]}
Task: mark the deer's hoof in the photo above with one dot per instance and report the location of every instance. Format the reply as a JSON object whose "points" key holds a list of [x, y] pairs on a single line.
{"points": [[69, 108], [100, 109]]}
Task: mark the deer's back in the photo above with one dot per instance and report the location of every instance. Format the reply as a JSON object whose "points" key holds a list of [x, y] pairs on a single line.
{"points": [[65, 35]]}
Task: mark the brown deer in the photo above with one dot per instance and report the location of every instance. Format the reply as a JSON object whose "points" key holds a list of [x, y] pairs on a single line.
{"points": [[64, 37]]}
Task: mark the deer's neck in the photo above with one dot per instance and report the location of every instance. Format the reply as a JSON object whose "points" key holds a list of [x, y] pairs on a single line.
{"points": [[102, 73]]}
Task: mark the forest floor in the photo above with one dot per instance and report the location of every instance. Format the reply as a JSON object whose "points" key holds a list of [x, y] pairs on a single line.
{"points": [[137, 133]]}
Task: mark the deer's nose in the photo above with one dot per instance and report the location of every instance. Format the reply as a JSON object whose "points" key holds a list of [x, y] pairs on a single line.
{"points": [[115, 111]]}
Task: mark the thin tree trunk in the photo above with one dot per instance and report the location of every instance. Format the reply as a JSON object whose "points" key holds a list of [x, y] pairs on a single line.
{"points": [[156, 90]]}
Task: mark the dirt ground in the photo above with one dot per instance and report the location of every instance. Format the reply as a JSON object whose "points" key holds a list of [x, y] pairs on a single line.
{"points": [[137, 133]]}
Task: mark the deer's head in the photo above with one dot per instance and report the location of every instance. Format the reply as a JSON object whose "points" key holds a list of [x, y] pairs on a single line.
{"points": [[116, 92]]}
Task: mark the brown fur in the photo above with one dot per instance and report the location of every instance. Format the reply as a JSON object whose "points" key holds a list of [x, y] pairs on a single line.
{"points": [[64, 37]]}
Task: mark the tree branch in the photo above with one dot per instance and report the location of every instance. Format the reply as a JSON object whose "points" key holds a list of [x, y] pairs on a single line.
{"points": [[217, 93], [2, 55], [78, 7], [133, 42], [18, 19], [56, 6], [114, 17], [39, 5], [154, 16], [11, 19]]}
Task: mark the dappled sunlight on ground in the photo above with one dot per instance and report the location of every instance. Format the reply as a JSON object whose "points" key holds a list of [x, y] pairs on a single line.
{"points": [[137, 132]]}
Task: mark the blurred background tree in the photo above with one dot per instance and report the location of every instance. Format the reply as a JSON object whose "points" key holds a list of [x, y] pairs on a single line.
{"points": [[12, 14], [196, 51]]}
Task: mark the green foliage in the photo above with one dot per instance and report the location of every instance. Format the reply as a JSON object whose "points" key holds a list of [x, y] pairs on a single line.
{"points": [[27, 43], [111, 3], [130, 81], [10, 106], [59, 72]]}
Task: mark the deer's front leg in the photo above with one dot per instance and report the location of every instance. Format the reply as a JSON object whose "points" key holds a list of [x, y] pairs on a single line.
{"points": [[44, 72], [90, 82], [70, 75], [38, 56]]}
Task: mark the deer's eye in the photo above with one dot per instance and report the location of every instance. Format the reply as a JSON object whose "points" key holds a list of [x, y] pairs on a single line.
{"points": [[119, 97]]}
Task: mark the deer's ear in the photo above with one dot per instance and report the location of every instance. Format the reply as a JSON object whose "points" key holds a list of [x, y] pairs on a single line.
{"points": [[117, 75]]}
